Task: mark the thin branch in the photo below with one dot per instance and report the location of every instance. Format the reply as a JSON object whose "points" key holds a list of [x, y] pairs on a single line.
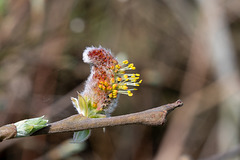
{"points": [[155, 116]]}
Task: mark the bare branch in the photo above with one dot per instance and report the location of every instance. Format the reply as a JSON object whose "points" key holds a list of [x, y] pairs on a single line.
{"points": [[155, 116]]}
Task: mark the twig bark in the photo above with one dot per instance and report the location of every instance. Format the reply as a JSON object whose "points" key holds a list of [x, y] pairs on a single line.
{"points": [[155, 116]]}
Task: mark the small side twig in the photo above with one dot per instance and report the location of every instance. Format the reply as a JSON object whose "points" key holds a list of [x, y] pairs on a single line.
{"points": [[155, 116]]}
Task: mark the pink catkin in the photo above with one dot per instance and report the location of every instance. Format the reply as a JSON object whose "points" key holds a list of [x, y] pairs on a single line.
{"points": [[101, 61]]}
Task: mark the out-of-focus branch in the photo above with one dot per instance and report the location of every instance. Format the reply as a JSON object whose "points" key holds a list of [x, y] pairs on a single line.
{"points": [[231, 153], [155, 116]]}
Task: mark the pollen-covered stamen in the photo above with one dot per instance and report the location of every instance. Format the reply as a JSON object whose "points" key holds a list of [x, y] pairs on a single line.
{"points": [[132, 84], [123, 87], [125, 62], [120, 81], [131, 77], [112, 80], [109, 88], [128, 92], [114, 86]]}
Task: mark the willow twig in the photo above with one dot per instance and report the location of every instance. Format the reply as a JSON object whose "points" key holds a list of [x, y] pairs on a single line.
{"points": [[155, 116]]}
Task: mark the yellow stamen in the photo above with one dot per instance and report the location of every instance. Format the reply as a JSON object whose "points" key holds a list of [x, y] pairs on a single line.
{"points": [[130, 65], [110, 95], [130, 93], [117, 66], [125, 62], [112, 80], [105, 83], [119, 79], [109, 88], [114, 92], [122, 72], [125, 76], [124, 87], [134, 80], [114, 86], [94, 105]]}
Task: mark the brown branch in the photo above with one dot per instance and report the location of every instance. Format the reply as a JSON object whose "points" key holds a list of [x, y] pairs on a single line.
{"points": [[155, 116]]}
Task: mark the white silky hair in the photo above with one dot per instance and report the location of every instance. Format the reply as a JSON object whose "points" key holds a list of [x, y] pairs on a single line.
{"points": [[86, 58]]}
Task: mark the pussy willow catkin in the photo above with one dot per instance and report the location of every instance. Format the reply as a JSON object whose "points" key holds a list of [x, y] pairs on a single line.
{"points": [[108, 79]]}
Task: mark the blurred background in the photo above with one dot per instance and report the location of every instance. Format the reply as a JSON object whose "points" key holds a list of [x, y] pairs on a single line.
{"points": [[187, 49]]}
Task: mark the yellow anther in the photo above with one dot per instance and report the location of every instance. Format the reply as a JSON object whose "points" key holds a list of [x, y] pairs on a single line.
{"points": [[112, 67], [137, 74], [115, 96], [114, 92], [134, 80], [124, 87], [119, 79], [140, 82], [94, 105], [130, 93], [105, 83], [101, 82], [100, 86], [103, 88], [114, 86], [125, 62], [109, 88], [133, 68], [125, 76], [112, 80], [133, 76], [117, 66], [110, 95], [130, 65]]}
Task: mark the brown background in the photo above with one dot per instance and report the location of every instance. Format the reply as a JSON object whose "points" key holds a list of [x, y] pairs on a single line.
{"points": [[182, 49]]}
